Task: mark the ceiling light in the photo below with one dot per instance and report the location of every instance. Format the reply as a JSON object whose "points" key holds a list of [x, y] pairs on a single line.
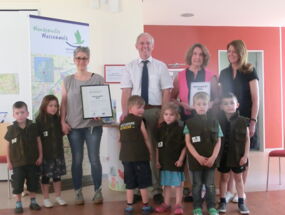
{"points": [[187, 14]]}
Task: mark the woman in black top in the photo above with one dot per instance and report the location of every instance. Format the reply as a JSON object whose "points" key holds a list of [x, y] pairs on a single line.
{"points": [[241, 79]]}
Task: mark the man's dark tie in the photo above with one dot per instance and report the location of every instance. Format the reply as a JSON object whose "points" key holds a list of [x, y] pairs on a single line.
{"points": [[144, 85]]}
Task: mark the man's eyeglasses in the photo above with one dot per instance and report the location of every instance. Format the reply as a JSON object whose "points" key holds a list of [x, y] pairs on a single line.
{"points": [[82, 58]]}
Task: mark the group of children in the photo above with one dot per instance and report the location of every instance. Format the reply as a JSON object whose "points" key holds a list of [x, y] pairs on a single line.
{"points": [[36, 149], [209, 141]]}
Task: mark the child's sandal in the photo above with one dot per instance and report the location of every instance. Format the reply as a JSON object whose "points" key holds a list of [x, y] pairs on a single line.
{"points": [[178, 210], [163, 208]]}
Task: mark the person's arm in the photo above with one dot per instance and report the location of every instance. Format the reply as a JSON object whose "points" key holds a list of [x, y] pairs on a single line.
{"points": [[192, 150], [175, 91], [175, 94], [40, 152], [10, 166], [157, 159], [211, 160], [146, 139], [244, 158], [215, 91], [63, 109], [166, 93], [180, 161], [126, 93], [254, 91]]}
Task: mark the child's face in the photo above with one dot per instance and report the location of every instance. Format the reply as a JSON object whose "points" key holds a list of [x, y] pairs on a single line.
{"points": [[169, 117], [137, 110], [201, 106], [52, 107], [229, 105], [20, 114]]}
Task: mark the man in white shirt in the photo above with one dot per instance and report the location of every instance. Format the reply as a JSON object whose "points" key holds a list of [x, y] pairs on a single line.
{"points": [[158, 92]]}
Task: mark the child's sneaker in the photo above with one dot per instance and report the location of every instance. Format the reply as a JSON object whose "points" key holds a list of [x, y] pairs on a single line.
{"points": [[48, 203], [213, 211], [79, 199], [19, 207], [34, 206], [163, 208], [98, 197], [146, 209], [197, 211], [222, 207], [229, 196], [129, 210], [60, 201], [243, 209], [178, 210]]}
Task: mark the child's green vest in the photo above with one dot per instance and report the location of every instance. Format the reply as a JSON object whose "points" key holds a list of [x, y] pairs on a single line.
{"points": [[204, 135]]}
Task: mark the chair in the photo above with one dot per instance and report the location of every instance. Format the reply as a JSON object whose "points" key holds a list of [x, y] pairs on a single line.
{"points": [[279, 154], [3, 160]]}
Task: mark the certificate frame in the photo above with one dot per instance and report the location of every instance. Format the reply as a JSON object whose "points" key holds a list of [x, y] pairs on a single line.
{"points": [[99, 97], [113, 73]]}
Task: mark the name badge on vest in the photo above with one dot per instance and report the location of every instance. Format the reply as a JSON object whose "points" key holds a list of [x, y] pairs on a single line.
{"points": [[14, 140], [45, 133], [196, 139], [160, 144]]}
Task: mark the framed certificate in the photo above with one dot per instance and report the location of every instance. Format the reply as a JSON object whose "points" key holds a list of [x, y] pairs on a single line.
{"points": [[96, 101], [199, 87], [113, 73]]}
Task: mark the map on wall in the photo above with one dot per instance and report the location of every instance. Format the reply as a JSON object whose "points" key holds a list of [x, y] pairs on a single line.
{"points": [[9, 83], [52, 44]]}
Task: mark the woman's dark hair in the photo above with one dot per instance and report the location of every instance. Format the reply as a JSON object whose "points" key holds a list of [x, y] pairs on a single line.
{"points": [[43, 108]]}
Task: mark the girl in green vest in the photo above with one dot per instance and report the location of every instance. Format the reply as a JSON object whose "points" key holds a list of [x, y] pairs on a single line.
{"points": [[53, 165]]}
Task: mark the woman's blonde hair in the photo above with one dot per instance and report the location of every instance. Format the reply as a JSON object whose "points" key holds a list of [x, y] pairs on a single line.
{"points": [[205, 52], [241, 50], [174, 108]]}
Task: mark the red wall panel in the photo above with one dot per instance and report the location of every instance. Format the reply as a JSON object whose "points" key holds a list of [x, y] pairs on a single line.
{"points": [[172, 42]]}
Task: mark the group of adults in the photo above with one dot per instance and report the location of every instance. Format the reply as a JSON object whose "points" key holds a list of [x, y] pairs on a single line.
{"points": [[150, 78]]}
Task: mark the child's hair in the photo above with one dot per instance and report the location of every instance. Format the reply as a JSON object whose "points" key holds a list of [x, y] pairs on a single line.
{"points": [[20, 104], [135, 100], [172, 107], [229, 95], [43, 108], [201, 95]]}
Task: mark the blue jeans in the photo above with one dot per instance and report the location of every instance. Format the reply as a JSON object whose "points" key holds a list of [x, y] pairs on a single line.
{"points": [[207, 177], [76, 138]]}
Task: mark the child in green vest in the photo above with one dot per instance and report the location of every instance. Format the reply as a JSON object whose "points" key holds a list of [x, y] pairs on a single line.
{"points": [[235, 150], [135, 154], [203, 140], [170, 157], [24, 155], [53, 165]]}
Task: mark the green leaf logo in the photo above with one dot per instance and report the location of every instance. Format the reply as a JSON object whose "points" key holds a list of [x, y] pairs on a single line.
{"points": [[78, 38]]}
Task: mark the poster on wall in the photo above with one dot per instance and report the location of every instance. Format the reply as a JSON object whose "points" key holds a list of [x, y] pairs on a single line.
{"points": [[52, 44]]}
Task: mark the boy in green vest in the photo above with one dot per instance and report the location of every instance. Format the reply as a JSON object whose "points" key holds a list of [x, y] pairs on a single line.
{"points": [[203, 140], [235, 150], [135, 154], [24, 155]]}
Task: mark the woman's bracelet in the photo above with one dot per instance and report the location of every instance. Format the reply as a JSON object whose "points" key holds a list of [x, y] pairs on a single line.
{"points": [[252, 119]]}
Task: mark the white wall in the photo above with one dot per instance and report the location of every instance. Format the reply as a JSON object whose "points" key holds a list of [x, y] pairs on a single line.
{"points": [[112, 35]]}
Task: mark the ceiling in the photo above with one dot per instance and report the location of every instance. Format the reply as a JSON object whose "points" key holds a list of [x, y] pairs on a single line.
{"points": [[215, 12]]}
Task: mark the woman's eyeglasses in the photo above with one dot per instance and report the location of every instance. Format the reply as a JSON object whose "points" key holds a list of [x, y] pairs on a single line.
{"points": [[81, 58]]}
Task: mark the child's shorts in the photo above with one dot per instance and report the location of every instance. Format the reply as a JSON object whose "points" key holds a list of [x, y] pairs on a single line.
{"points": [[22, 173], [237, 170], [137, 174], [171, 178]]}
